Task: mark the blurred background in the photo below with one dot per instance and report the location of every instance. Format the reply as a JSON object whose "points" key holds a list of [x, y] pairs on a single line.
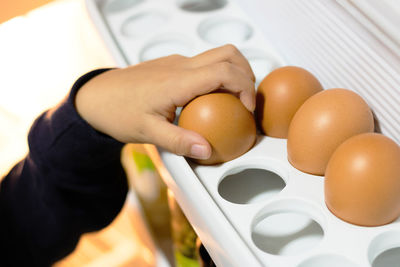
{"points": [[44, 47]]}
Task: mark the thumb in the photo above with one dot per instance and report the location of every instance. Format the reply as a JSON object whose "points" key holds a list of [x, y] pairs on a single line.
{"points": [[178, 140]]}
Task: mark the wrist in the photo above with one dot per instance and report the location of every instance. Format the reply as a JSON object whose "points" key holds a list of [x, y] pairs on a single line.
{"points": [[87, 98]]}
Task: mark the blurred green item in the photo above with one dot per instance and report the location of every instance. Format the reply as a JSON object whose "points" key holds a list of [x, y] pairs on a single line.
{"points": [[150, 190], [143, 161], [183, 261], [183, 236]]}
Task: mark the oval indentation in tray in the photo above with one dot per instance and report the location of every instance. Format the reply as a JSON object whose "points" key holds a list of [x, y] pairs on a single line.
{"points": [[201, 5], [384, 250], [114, 6], [287, 227], [143, 23], [164, 46], [328, 260], [224, 30], [250, 186], [260, 63]]}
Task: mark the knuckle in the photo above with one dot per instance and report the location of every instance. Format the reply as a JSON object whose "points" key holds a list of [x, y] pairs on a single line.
{"points": [[178, 144], [231, 49], [176, 56], [143, 130], [179, 56], [224, 68]]}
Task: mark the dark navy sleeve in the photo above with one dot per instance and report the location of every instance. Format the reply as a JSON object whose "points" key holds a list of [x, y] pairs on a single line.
{"points": [[71, 182]]}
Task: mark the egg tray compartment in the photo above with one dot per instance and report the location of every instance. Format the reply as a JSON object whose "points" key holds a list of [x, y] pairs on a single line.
{"points": [[291, 226], [141, 30]]}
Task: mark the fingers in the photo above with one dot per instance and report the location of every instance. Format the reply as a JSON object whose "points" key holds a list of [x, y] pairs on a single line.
{"points": [[222, 75], [177, 140], [227, 53]]}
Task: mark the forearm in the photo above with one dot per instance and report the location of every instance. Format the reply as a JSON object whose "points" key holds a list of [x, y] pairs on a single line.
{"points": [[71, 182]]}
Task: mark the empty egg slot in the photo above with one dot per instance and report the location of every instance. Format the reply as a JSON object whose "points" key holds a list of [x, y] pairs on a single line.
{"points": [[388, 258], [113, 6], [260, 63], [288, 227], [201, 5], [250, 186], [144, 23], [328, 260], [165, 46], [220, 30], [384, 250]]}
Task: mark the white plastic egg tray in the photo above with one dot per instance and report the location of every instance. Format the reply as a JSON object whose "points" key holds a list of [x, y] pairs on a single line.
{"points": [[256, 210]]}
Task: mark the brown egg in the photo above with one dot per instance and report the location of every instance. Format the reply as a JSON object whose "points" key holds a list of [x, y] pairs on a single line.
{"points": [[280, 95], [224, 122], [321, 124], [362, 182]]}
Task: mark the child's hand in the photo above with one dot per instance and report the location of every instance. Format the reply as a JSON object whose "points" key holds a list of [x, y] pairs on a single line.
{"points": [[137, 104]]}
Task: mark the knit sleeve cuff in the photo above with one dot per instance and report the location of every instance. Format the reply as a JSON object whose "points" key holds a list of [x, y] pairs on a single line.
{"points": [[63, 138]]}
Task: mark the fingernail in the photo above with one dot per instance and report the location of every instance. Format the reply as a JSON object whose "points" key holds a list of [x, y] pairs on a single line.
{"points": [[199, 151], [251, 106], [249, 103]]}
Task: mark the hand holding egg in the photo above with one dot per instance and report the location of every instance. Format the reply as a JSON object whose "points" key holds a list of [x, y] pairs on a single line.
{"points": [[137, 104], [225, 123]]}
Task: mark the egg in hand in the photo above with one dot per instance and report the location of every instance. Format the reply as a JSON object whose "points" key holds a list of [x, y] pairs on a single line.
{"points": [[224, 122]]}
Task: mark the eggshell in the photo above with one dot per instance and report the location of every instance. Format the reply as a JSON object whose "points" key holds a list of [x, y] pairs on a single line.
{"points": [[224, 122], [280, 95], [362, 183], [321, 124]]}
